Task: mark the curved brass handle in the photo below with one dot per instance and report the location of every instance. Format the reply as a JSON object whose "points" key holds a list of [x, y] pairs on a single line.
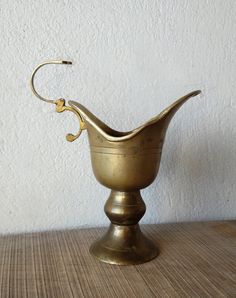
{"points": [[60, 103], [61, 107]]}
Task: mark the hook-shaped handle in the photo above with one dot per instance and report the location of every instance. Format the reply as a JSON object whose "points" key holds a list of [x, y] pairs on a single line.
{"points": [[33, 76], [60, 103]]}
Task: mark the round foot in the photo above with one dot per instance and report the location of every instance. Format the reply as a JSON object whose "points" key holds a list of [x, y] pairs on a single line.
{"points": [[124, 245]]}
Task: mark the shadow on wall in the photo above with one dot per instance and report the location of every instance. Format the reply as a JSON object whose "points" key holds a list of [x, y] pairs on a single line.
{"points": [[202, 177]]}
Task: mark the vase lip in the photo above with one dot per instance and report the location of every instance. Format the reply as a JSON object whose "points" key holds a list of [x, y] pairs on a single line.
{"points": [[117, 136]]}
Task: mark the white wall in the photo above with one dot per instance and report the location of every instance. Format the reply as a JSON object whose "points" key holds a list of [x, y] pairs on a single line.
{"points": [[131, 60]]}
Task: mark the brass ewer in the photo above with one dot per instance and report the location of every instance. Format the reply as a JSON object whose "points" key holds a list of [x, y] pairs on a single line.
{"points": [[125, 162]]}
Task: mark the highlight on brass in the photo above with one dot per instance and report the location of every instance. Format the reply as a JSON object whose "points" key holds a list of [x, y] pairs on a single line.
{"points": [[125, 162]]}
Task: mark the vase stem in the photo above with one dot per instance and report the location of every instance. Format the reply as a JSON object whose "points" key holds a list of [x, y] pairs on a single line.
{"points": [[124, 243]]}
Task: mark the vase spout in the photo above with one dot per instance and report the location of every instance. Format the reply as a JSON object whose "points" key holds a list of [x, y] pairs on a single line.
{"points": [[167, 114], [161, 121]]}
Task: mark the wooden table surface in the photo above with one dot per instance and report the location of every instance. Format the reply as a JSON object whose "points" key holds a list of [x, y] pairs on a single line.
{"points": [[196, 260]]}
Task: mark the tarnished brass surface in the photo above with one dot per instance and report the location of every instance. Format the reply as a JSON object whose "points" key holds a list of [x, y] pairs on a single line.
{"points": [[125, 162], [124, 243]]}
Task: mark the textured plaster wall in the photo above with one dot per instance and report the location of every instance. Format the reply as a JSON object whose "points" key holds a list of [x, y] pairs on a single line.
{"points": [[131, 60]]}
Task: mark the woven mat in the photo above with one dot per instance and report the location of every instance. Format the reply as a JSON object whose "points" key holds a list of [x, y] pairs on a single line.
{"points": [[196, 260]]}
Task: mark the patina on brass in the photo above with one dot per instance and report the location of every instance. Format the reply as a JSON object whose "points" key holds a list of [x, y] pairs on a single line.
{"points": [[125, 162]]}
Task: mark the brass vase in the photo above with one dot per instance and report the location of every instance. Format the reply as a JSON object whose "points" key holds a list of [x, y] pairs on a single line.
{"points": [[125, 162]]}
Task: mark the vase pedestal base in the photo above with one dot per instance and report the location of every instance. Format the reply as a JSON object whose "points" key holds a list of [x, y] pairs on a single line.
{"points": [[124, 245]]}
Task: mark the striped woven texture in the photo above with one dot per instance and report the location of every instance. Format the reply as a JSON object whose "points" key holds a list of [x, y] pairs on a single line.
{"points": [[196, 260]]}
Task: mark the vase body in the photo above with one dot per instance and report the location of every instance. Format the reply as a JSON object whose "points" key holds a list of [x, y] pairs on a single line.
{"points": [[126, 162]]}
